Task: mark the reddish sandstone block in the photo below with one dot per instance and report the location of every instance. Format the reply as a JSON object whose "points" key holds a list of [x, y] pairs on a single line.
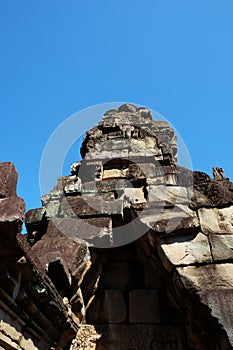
{"points": [[8, 180]]}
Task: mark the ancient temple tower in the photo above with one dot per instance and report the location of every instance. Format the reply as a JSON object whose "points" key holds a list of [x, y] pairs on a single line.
{"points": [[137, 249]]}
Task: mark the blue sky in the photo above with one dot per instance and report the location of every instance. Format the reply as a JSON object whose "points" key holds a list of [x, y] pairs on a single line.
{"points": [[58, 57]]}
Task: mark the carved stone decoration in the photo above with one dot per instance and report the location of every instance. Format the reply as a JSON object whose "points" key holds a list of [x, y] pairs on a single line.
{"points": [[135, 343], [140, 337], [86, 338]]}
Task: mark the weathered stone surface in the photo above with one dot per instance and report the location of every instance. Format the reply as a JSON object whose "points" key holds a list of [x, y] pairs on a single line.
{"points": [[170, 219], [199, 199], [220, 303], [186, 249], [52, 208], [143, 306], [72, 254], [185, 177], [219, 174], [209, 277], [12, 209], [216, 220], [89, 206], [221, 247], [8, 180], [168, 195], [34, 216], [213, 193], [73, 187], [115, 337], [91, 230], [135, 195], [36, 223]]}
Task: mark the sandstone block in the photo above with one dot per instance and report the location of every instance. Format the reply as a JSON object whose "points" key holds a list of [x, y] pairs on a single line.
{"points": [[222, 247], [209, 277], [35, 220], [8, 180], [168, 194], [10, 331], [89, 206], [114, 306], [186, 249], [215, 220], [170, 219], [10, 344], [143, 306], [52, 208], [114, 173], [72, 254], [92, 230], [12, 209], [73, 187]]}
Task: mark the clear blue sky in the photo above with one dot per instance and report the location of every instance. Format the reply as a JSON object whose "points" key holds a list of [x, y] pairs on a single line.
{"points": [[58, 57]]}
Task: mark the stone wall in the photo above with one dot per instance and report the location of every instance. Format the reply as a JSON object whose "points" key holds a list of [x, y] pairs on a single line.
{"points": [[135, 250]]}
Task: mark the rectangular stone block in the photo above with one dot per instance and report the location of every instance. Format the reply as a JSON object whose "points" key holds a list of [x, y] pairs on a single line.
{"points": [[168, 194], [90, 205], [8, 180], [114, 306], [12, 209], [35, 216], [215, 220], [73, 186], [143, 306], [52, 208], [208, 277], [186, 249], [114, 174], [221, 247], [170, 219]]}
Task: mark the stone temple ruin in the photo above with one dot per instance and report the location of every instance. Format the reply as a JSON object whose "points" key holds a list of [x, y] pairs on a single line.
{"points": [[129, 252]]}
